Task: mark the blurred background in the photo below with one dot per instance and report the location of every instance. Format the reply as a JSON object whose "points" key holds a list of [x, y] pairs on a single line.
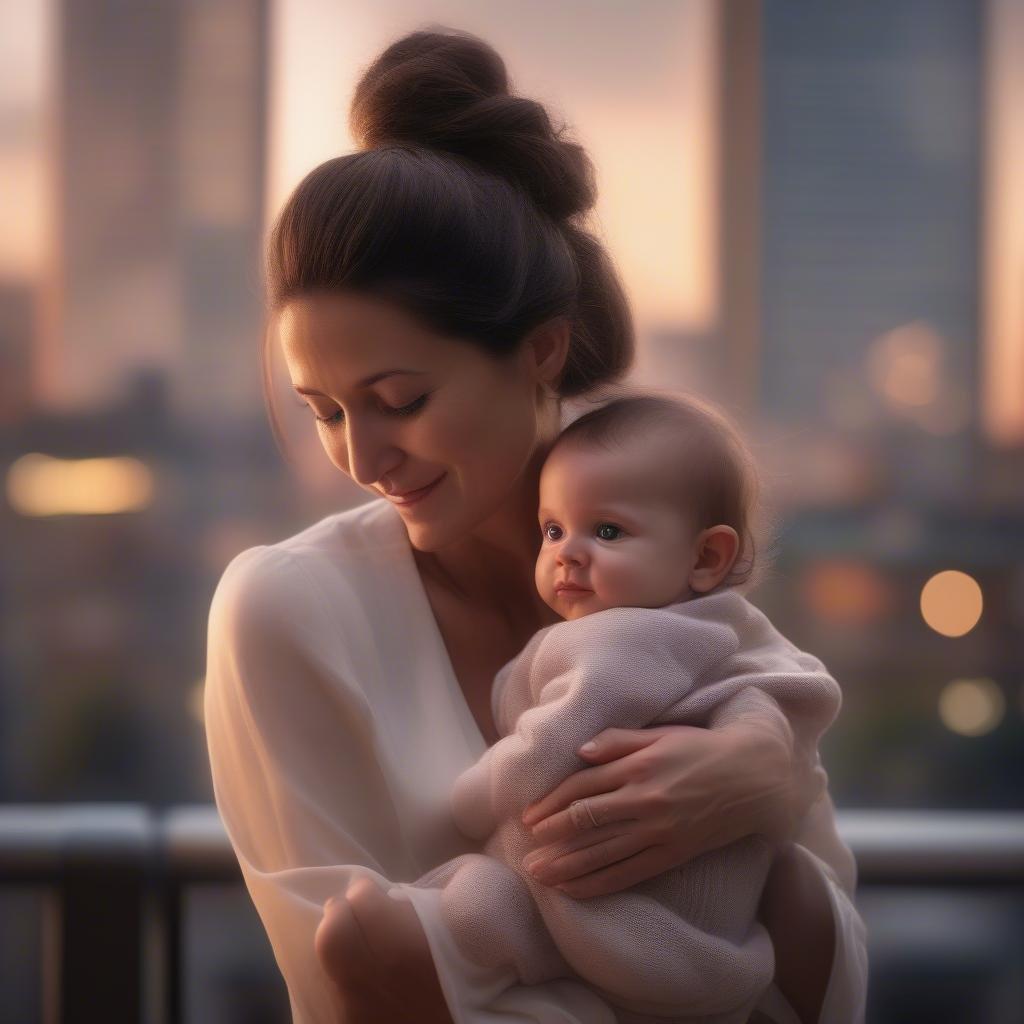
{"points": [[818, 212]]}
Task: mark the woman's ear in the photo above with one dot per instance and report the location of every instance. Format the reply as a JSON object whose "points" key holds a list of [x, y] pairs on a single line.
{"points": [[714, 553], [546, 349]]}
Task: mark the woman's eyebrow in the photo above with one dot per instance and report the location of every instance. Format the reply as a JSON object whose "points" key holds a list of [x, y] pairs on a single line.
{"points": [[364, 383]]}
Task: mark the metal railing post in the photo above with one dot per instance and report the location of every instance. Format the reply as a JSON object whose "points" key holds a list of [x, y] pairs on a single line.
{"points": [[98, 857]]}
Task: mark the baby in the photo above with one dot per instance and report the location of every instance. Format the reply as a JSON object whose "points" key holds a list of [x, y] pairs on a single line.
{"points": [[644, 510]]}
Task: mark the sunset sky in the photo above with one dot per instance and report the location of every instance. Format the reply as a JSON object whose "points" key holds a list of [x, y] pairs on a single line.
{"points": [[638, 91], [635, 80]]}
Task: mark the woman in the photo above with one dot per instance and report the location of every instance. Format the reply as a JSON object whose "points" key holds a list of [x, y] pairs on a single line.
{"points": [[439, 300]]}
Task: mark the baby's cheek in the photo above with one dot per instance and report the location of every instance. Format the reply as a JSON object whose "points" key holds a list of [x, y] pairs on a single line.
{"points": [[543, 576], [629, 576], [616, 584]]}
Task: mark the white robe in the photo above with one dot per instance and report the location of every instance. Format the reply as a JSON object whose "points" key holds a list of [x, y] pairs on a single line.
{"points": [[336, 729]]}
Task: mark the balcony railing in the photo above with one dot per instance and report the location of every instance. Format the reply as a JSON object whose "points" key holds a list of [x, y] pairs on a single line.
{"points": [[115, 877]]}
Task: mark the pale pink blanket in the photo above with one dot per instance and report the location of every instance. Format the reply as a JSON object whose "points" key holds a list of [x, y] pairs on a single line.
{"points": [[685, 945]]}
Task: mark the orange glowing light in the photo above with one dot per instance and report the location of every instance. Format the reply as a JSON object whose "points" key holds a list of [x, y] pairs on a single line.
{"points": [[40, 485], [848, 593], [951, 603], [905, 366]]}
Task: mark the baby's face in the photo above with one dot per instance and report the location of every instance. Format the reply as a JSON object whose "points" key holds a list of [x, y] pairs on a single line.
{"points": [[613, 526]]}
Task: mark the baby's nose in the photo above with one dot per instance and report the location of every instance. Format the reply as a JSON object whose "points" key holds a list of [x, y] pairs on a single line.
{"points": [[571, 553]]}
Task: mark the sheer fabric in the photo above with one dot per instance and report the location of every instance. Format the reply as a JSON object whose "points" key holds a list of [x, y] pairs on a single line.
{"points": [[336, 730]]}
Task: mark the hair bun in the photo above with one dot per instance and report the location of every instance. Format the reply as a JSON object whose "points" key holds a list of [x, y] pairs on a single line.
{"points": [[448, 90]]}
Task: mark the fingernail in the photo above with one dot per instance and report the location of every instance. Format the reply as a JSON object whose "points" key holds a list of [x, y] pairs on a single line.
{"points": [[588, 748]]}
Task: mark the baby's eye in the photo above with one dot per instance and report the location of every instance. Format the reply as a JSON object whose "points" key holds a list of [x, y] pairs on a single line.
{"points": [[547, 531], [608, 531]]}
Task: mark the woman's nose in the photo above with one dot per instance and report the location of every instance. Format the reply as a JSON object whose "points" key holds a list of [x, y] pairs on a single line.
{"points": [[371, 454]]}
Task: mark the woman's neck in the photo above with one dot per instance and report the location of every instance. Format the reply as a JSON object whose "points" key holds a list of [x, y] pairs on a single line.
{"points": [[493, 567]]}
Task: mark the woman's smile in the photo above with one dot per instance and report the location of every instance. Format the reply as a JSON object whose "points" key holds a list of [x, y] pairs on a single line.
{"points": [[414, 497]]}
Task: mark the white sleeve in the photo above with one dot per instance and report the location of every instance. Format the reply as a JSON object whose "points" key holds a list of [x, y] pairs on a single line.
{"points": [[298, 785], [291, 751], [484, 995]]}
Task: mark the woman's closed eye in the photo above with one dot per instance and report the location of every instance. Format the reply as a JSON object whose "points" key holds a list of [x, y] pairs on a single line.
{"points": [[404, 410]]}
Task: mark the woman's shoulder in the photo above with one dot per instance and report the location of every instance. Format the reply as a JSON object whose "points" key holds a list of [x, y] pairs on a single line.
{"points": [[284, 632], [333, 562], [370, 529]]}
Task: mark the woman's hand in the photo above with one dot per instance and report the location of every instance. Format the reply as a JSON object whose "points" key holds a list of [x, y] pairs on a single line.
{"points": [[664, 795], [374, 951]]}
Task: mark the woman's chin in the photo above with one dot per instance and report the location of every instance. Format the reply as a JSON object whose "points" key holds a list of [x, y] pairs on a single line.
{"points": [[426, 537]]}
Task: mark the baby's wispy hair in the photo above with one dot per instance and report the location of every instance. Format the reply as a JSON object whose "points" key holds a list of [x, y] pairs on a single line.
{"points": [[716, 471]]}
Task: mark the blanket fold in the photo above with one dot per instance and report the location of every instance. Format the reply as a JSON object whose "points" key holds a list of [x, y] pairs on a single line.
{"points": [[686, 945]]}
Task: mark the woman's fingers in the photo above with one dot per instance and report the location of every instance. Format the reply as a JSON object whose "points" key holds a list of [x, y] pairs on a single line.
{"points": [[589, 851], [579, 840], [626, 873], [613, 743], [364, 898], [392, 929], [608, 801], [614, 768], [588, 782], [340, 943], [364, 942]]}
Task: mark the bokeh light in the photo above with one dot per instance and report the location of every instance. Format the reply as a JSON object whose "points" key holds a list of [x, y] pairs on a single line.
{"points": [[905, 366], [845, 592], [971, 707], [40, 485], [951, 603], [949, 415]]}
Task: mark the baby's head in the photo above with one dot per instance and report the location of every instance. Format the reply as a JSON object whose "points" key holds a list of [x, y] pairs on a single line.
{"points": [[644, 502]]}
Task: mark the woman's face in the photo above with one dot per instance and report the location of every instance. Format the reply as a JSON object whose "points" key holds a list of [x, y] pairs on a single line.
{"points": [[401, 409]]}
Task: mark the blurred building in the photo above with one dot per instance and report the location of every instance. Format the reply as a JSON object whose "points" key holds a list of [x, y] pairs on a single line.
{"points": [[868, 351], [159, 183], [17, 334]]}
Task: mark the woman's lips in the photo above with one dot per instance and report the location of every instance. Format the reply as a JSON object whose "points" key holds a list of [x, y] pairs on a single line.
{"points": [[411, 497]]}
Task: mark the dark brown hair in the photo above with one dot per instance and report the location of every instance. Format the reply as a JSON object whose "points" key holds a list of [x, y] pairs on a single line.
{"points": [[715, 469], [464, 206]]}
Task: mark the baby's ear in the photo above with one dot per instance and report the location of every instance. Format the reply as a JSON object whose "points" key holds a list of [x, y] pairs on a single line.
{"points": [[714, 553]]}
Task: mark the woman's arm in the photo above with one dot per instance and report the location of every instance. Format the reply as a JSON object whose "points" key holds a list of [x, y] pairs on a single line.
{"points": [[302, 798], [308, 809]]}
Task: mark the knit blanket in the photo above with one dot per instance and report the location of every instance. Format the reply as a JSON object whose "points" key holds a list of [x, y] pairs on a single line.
{"points": [[685, 945]]}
